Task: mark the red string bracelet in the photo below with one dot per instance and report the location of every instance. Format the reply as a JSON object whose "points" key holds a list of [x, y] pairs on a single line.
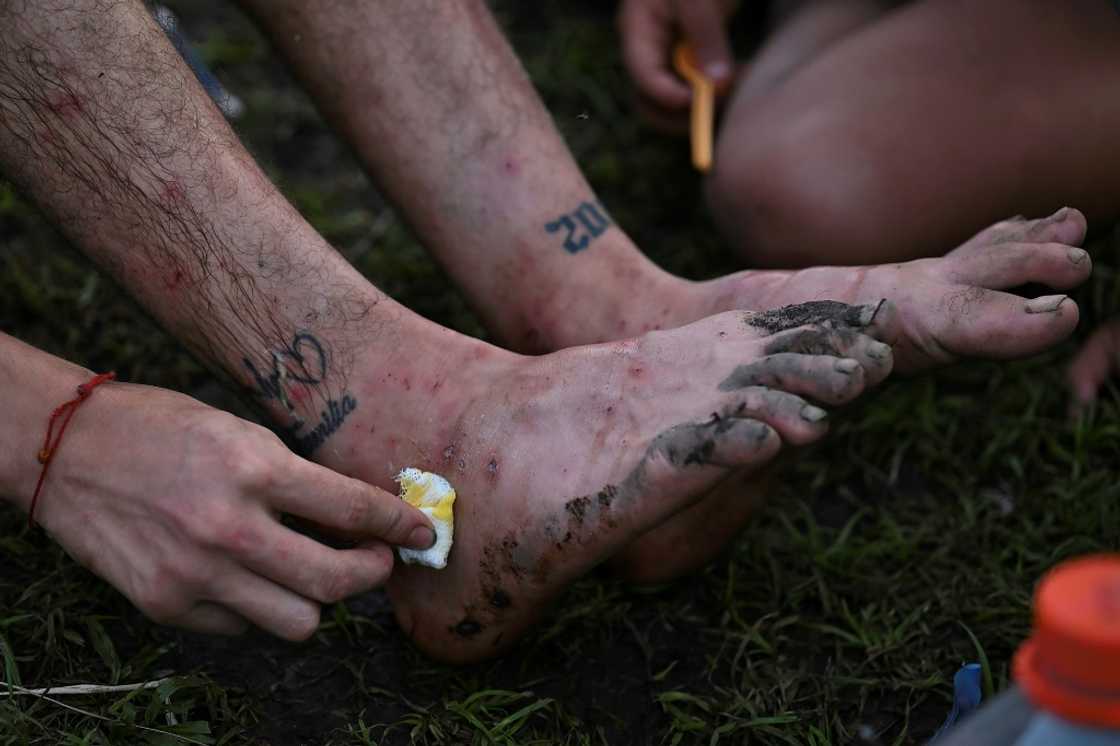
{"points": [[51, 442]]}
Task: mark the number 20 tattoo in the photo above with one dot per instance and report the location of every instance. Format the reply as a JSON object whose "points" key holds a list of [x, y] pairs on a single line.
{"points": [[581, 226]]}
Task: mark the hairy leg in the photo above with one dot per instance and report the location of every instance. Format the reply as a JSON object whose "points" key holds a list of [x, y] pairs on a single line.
{"points": [[558, 460], [909, 135], [440, 111]]}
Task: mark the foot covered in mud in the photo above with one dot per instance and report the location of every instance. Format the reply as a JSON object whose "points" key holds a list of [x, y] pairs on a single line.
{"points": [[560, 460], [948, 307]]}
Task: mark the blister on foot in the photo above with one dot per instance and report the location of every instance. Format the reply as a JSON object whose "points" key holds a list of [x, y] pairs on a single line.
{"points": [[433, 496]]}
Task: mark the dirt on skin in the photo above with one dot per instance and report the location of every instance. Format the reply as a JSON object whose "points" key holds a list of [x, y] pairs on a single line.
{"points": [[813, 312]]}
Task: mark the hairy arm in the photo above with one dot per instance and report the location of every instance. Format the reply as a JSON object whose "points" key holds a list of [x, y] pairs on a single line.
{"points": [[440, 110], [104, 125], [173, 502]]}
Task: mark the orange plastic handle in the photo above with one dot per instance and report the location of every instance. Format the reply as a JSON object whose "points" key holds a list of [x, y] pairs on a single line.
{"points": [[702, 119]]}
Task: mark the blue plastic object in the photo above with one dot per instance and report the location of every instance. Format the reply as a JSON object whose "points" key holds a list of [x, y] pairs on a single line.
{"points": [[966, 697], [229, 104]]}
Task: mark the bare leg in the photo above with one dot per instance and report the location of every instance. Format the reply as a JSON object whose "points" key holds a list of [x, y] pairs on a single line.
{"points": [[559, 460], [802, 29], [907, 136]]}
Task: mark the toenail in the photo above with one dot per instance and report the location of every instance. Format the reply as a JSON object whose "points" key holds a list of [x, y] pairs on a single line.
{"points": [[1046, 304], [847, 365], [1077, 256], [813, 414], [1060, 215], [878, 350]]}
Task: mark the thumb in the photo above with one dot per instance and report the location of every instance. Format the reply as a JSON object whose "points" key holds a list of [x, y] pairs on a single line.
{"points": [[351, 507], [703, 25]]}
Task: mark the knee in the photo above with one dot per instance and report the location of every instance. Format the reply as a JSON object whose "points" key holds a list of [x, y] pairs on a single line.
{"points": [[790, 202]]}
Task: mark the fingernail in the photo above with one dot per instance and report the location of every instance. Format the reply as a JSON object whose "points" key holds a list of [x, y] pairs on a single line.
{"points": [[1077, 256], [1046, 304], [717, 70], [1060, 215], [421, 538], [847, 365], [813, 414], [878, 350]]}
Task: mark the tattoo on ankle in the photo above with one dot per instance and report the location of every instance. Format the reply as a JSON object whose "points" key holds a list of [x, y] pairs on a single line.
{"points": [[332, 418], [304, 362], [581, 226]]}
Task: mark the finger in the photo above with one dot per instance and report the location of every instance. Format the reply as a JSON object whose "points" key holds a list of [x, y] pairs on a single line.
{"points": [[647, 39], [1010, 265], [823, 378], [351, 506], [1095, 362], [211, 619], [703, 24], [795, 420], [311, 569], [876, 358], [269, 606]]}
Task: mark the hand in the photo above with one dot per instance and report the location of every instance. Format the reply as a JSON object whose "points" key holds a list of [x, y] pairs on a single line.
{"points": [[177, 505], [1096, 361], [650, 28]]}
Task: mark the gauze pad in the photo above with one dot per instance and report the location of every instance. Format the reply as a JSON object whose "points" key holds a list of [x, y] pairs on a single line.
{"points": [[434, 497]]}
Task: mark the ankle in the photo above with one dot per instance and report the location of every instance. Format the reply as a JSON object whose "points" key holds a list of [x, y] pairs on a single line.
{"points": [[621, 295], [408, 403]]}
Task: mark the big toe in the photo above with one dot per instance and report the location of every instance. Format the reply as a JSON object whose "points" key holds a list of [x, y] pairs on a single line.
{"points": [[989, 324]]}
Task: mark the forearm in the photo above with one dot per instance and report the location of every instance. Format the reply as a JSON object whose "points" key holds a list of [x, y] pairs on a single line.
{"points": [[32, 384], [442, 113], [104, 125]]}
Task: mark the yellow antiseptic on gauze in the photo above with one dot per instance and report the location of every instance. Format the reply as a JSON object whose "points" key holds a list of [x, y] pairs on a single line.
{"points": [[435, 498]]}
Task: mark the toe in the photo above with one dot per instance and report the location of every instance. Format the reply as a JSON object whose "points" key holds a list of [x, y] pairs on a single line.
{"points": [[989, 324], [745, 443], [1097, 359], [1067, 226], [820, 377], [1056, 265], [874, 357], [690, 458], [795, 420]]}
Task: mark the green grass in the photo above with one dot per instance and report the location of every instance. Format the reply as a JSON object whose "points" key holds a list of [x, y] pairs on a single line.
{"points": [[907, 544]]}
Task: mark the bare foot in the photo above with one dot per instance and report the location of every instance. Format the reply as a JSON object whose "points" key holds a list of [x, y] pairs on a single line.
{"points": [[1096, 362], [948, 307], [560, 460]]}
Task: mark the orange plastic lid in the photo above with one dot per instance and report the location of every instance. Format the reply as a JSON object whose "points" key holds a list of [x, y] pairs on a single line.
{"points": [[1071, 664]]}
